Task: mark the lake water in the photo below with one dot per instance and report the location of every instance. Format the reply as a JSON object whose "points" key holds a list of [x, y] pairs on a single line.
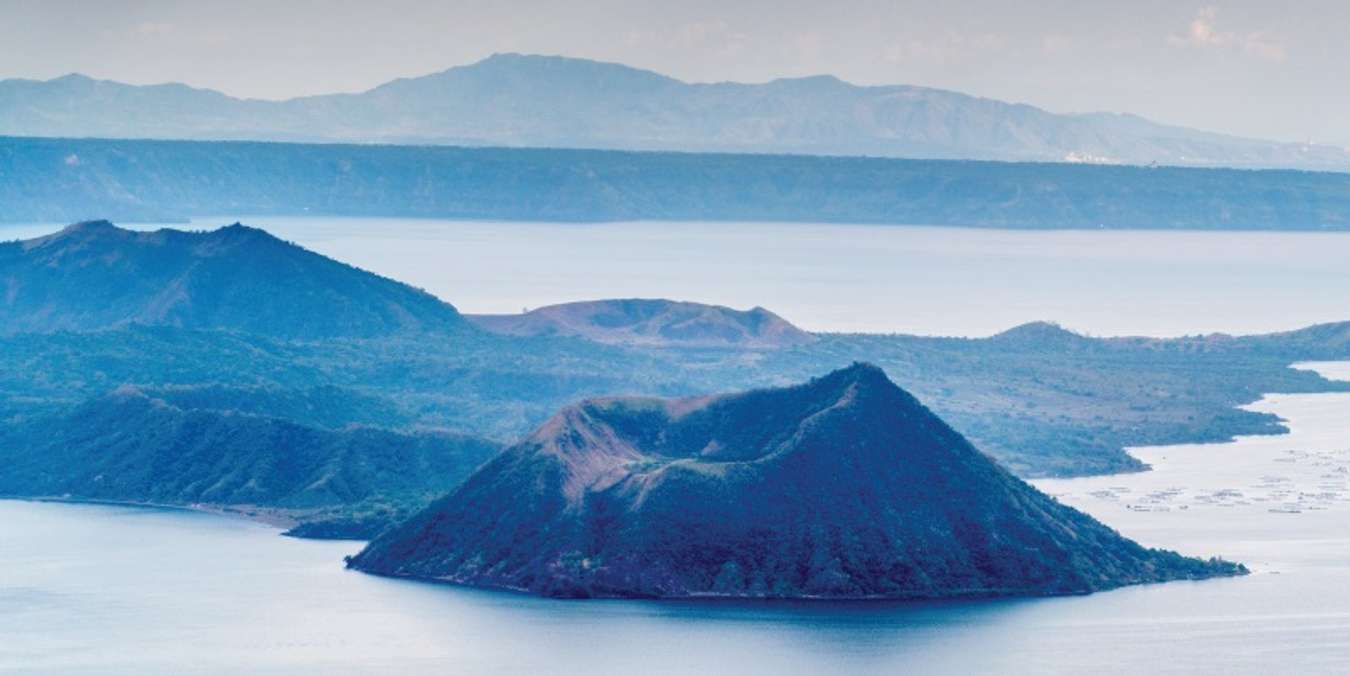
{"points": [[107, 590], [942, 281]]}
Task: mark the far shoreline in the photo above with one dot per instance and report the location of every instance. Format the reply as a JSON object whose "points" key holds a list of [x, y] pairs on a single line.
{"points": [[273, 518]]}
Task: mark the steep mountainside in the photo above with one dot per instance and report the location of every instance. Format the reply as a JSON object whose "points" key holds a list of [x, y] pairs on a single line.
{"points": [[845, 487], [653, 322], [128, 446], [95, 275], [542, 101]]}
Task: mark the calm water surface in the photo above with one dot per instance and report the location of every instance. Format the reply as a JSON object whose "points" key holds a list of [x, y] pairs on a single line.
{"points": [[98, 590], [945, 281]]}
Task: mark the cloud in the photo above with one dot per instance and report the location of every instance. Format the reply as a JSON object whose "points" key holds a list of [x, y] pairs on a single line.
{"points": [[1204, 32], [949, 47]]}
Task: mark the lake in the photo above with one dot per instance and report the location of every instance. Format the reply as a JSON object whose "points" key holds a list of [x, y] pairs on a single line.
{"points": [[931, 281], [88, 589]]}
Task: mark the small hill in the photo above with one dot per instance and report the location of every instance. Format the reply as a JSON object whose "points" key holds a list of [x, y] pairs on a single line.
{"points": [[1324, 341], [128, 446], [844, 487], [651, 322], [94, 275], [1042, 335]]}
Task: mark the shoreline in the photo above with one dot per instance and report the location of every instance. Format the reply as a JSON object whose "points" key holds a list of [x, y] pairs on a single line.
{"points": [[275, 518], [1259, 479], [284, 520]]}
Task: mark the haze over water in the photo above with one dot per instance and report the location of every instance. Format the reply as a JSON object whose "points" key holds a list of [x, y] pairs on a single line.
{"points": [[933, 281]]}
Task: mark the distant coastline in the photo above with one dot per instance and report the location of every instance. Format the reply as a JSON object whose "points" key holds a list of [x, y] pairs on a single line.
{"points": [[68, 180]]}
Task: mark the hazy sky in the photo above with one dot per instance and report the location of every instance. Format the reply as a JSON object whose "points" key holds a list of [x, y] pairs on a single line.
{"points": [[1269, 69]]}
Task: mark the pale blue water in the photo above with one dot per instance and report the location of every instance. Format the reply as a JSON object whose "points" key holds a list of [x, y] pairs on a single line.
{"points": [[107, 590], [100, 590], [945, 281]]}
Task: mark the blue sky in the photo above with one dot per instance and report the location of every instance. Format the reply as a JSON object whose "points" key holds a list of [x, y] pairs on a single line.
{"points": [[1263, 69]]}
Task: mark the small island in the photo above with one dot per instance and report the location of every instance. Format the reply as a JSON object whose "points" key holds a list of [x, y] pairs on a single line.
{"points": [[845, 487]]}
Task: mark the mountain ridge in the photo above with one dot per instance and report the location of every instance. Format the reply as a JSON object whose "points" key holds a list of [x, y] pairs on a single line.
{"points": [[553, 101], [128, 445], [93, 275]]}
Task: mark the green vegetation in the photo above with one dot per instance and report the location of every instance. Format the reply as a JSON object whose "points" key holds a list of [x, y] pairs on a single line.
{"points": [[131, 447], [174, 367], [1038, 408]]}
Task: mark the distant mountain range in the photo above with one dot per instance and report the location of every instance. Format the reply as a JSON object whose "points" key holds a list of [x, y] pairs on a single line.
{"points": [[94, 275], [653, 322], [845, 487], [546, 101]]}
